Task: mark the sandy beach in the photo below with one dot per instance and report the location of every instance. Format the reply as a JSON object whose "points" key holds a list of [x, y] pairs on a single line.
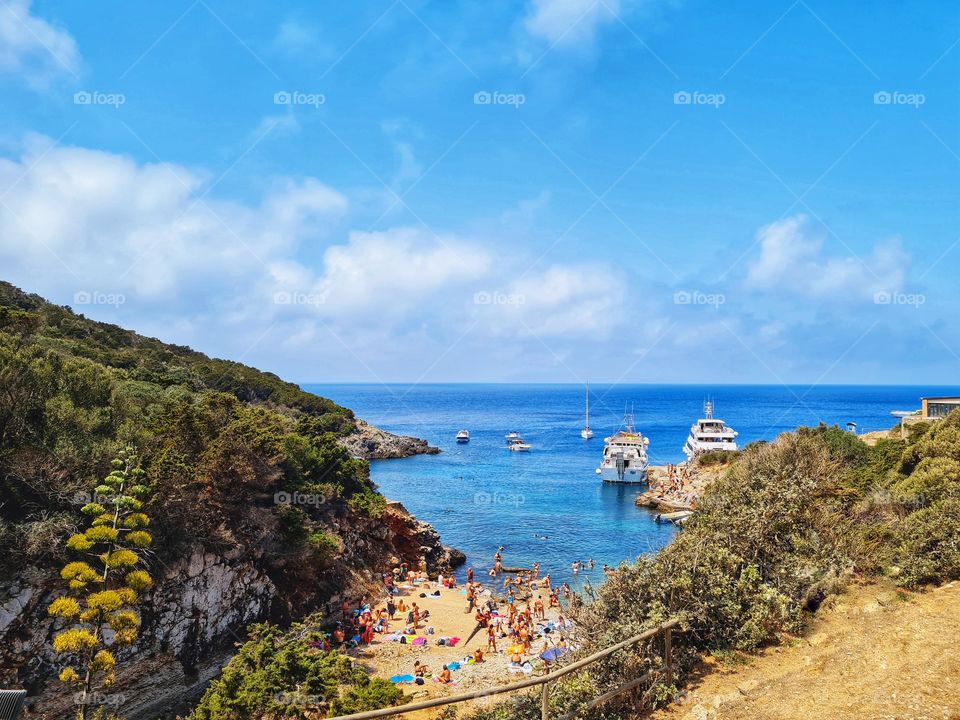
{"points": [[386, 658]]}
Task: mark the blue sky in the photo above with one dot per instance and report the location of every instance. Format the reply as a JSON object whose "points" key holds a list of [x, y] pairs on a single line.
{"points": [[537, 190]]}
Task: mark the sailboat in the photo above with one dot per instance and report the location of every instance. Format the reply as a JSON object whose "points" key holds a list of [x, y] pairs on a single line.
{"points": [[587, 433]]}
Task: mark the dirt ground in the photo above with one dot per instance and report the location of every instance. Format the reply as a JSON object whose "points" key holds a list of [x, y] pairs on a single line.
{"points": [[873, 653]]}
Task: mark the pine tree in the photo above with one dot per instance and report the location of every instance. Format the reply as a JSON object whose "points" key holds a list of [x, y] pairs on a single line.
{"points": [[101, 608]]}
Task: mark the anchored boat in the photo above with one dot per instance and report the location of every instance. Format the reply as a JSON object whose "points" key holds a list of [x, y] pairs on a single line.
{"points": [[587, 433], [709, 433], [625, 456], [463, 436]]}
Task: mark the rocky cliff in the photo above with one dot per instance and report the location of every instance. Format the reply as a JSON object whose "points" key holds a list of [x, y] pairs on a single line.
{"points": [[371, 443], [199, 609]]}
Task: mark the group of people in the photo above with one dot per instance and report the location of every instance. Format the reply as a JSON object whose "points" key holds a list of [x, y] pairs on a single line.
{"points": [[677, 485]]}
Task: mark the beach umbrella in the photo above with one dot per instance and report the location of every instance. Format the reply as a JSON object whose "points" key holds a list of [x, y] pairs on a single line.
{"points": [[553, 654]]}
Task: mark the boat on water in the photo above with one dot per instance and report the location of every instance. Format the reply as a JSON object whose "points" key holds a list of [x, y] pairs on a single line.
{"points": [[587, 433], [515, 443], [625, 456], [709, 433], [463, 436]]}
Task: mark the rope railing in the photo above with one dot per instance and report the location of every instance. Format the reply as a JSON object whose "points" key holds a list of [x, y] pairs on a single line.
{"points": [[543, 682]]}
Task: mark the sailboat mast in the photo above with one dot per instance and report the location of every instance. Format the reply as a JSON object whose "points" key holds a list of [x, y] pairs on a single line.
{"points": [[588, 404]]}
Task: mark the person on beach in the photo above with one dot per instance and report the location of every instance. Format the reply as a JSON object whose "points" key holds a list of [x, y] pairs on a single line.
{"points": [[536, 570], [469, 575], [478, 656], [491, 638], [471, 598], [538, 609], [391, 609], [420, 669], [415, 614], [445, 677]]}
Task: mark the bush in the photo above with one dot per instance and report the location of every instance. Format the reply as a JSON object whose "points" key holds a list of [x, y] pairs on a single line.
{"points": [[929, 549], [279, 674]]}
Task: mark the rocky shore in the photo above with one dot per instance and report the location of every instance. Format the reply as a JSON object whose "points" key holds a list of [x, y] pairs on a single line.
{"points": [[684, 491], [371, 443]]}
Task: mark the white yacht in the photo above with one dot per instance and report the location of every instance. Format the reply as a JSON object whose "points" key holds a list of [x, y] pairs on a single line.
{"points": [[624, 456], [587, 433], [463, 436], [709, 433]]}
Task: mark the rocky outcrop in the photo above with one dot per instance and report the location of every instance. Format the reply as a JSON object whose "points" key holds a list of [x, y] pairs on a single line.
{"points": [[200, 609], [371, 443]]}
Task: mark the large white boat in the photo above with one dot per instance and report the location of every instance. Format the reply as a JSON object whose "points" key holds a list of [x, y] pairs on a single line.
{"points": [[515, 443], [463, 436], [709, 433], [624, 456]]}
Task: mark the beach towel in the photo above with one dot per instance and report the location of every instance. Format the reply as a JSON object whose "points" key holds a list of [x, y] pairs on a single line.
{"points": [[453, 666], [452, 642], [401, 679], [420, 641]]}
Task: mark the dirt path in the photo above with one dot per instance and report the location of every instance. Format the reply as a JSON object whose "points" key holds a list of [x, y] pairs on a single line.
{"points": [[874, 653]]}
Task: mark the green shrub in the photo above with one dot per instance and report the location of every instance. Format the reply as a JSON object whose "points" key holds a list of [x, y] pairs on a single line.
{"points": [[929, 550], [278, 674]]}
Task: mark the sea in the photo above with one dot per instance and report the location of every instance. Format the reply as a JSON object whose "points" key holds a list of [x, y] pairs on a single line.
{"points": [[548, 505]]}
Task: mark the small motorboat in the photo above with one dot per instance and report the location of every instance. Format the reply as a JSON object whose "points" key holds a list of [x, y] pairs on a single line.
{"points": [[515, 443], [463, 436]]}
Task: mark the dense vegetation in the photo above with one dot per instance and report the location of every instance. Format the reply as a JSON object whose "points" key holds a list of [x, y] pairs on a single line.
{"points": [[788, 525], [217, 439], [311, 679]]}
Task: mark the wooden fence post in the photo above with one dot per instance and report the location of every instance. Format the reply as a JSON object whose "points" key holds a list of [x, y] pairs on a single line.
{"points": [[545, 702], [668, 654]]}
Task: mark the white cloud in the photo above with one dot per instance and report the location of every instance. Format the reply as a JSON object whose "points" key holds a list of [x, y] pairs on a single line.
{"points": [[792, 259], [87, 219], [32, 47], [561, 301], [382, 273], [567, 22]]}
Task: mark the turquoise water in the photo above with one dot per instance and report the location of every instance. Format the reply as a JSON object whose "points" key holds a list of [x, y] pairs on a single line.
{"points": [[548, 505]]}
